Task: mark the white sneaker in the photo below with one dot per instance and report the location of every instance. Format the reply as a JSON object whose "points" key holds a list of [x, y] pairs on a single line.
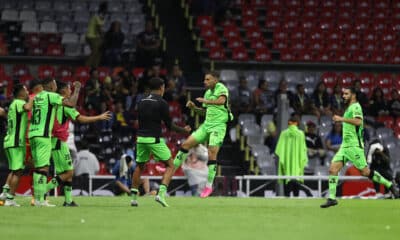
{"points": [[134, 203], [11, 203], [3, 196], [43, 204]]}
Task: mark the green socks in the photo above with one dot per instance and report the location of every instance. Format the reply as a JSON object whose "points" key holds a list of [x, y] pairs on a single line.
{"points": [[68, 192], [212, 171], [134, 193], [54, 182], [333, 180], [39, 186], [180, 157], [162, 190], [377, 177], [6, 188]]}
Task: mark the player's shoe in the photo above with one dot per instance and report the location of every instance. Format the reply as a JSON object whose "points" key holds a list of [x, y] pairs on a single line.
{"points": [[11, 203], [43, 204], [33, 201], [329, 203], [3, 196], [161, 200], [206, 192], [134, 203], [71, 204], [394, 190]]}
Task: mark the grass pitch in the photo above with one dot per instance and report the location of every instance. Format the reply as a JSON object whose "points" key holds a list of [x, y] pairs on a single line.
{"points": [[214, 218]]}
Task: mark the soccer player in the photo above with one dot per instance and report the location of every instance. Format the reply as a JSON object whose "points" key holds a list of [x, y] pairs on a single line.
{"points": [[40, 132], [60, 152], [352, 148], [14, 142], [152, 110], [217, 112]]}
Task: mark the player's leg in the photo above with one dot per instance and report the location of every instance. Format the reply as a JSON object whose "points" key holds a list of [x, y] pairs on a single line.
{"points": [[162, 152], [41, 152], [16, 165], [358, 159], [198, 136], [334, 169], [142, 156], [6, 186], [216, 138]]}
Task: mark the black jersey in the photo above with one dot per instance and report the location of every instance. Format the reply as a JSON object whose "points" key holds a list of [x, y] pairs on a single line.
{"points": [[152, 110]]}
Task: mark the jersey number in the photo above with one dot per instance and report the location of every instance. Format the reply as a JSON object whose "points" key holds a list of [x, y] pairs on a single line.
{"points": [[36, 117]]}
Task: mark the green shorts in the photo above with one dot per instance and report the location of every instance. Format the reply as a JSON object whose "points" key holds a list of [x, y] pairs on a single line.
{"points": [[16, 157], [41, 151], [62, 157], [355, 155], [213, 135], [149, 145]]}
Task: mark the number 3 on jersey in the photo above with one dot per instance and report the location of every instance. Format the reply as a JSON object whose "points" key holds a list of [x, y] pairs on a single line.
{"points": [[36, 117]]}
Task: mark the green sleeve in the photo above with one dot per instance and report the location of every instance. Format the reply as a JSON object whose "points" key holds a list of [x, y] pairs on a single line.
{"points": [[71, 113], [357, 112], [221, 90], [55, 99]]}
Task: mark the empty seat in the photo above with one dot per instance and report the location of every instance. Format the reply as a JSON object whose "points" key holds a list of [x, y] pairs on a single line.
{"points": [[27, 15], [246, 117], [82, 16], [73, 50], [61, 5], [66, 27], [9, 15], [48, 27], [30, 27], [70, 38]]}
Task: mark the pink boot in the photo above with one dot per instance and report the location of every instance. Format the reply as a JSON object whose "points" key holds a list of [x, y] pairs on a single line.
{"points": [[206, 192]]}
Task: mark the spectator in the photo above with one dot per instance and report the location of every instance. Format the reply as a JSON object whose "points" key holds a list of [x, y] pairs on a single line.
{"points": [[283, 89], [263, 99], [378, 105], [301, 102], [315, 149], [94, 35], [178, 78], [379, 159], [196, 170], [394, 104], [124, 119], [86, 162], [272, 138], [336, 100], [244, 96], [361, 97], [321, 99], [93, 91], [148, 46], [292, 153], [113, 40], [334, 139]]}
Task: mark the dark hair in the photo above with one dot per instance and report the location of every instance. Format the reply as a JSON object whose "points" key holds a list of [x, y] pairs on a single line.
{"points": [[17, 88], [294, 117], [61, 85], [261, 82], [47, 81], [352, 90], [215, 74], [35, 82], [155, 83]]}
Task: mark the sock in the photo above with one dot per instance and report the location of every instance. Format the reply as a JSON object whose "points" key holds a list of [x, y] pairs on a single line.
{"points": [[39, 186], [6, 188], [10, 196], [162, 190], [68, 192], [134, 193], [53, 183], [180, 157], [377, 177], [212, 170], [332, 186]]}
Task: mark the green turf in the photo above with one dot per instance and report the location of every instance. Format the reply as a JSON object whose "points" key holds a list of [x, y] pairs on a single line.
{"points": [[194, 218]]}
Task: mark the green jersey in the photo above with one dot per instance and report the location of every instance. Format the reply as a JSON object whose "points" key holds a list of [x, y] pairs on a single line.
{"points": [[217, 114], [63, 114], [43, 113], [17, 122], [352, 134]]}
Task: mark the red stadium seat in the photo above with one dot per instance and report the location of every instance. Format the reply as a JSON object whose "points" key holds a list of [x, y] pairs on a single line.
{"points": [[208, 31], [138, 72], [263, 55], [291, 23], [68, 79], [388, 121], [235, 42], [249, 21], [345, 24], [212, 42], [272, 22], [7, 81], [329, 78], [396, 81], [298, 45], [280, 44], [381, 4], [203, 21], [360, 56], [361, 24], [316, 44], [231, 32], [240, 54], [55, 50], [253, 33], [258, 3], [64, 71], [3, 49], [45, 71], [384, 80], [367, 79], [32, 39], [305, 56], [349, 4], [287, 55], [378, 57], [280, 33], [346, 79], [395, 57], [35, 50], [307, 24], [258, 43], [328, 3], [20, 70], [82, 74], [352, 45], [217, 54], [343, 56], [325, 56], [249, 11], [311, 3], [103, 72], [25, 79], [335, 35], [2, 70], [297, 35]]}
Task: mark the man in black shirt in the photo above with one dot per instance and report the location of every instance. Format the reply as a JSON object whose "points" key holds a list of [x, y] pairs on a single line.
{"points": [[152, 111]]}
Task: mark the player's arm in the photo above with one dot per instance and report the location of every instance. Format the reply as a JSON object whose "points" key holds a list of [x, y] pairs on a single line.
{"points": [[71, 101], [29, 105], [357, 121], [2, 112], [168, 121], [89, 119], [219, 101], [198, 110]]}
